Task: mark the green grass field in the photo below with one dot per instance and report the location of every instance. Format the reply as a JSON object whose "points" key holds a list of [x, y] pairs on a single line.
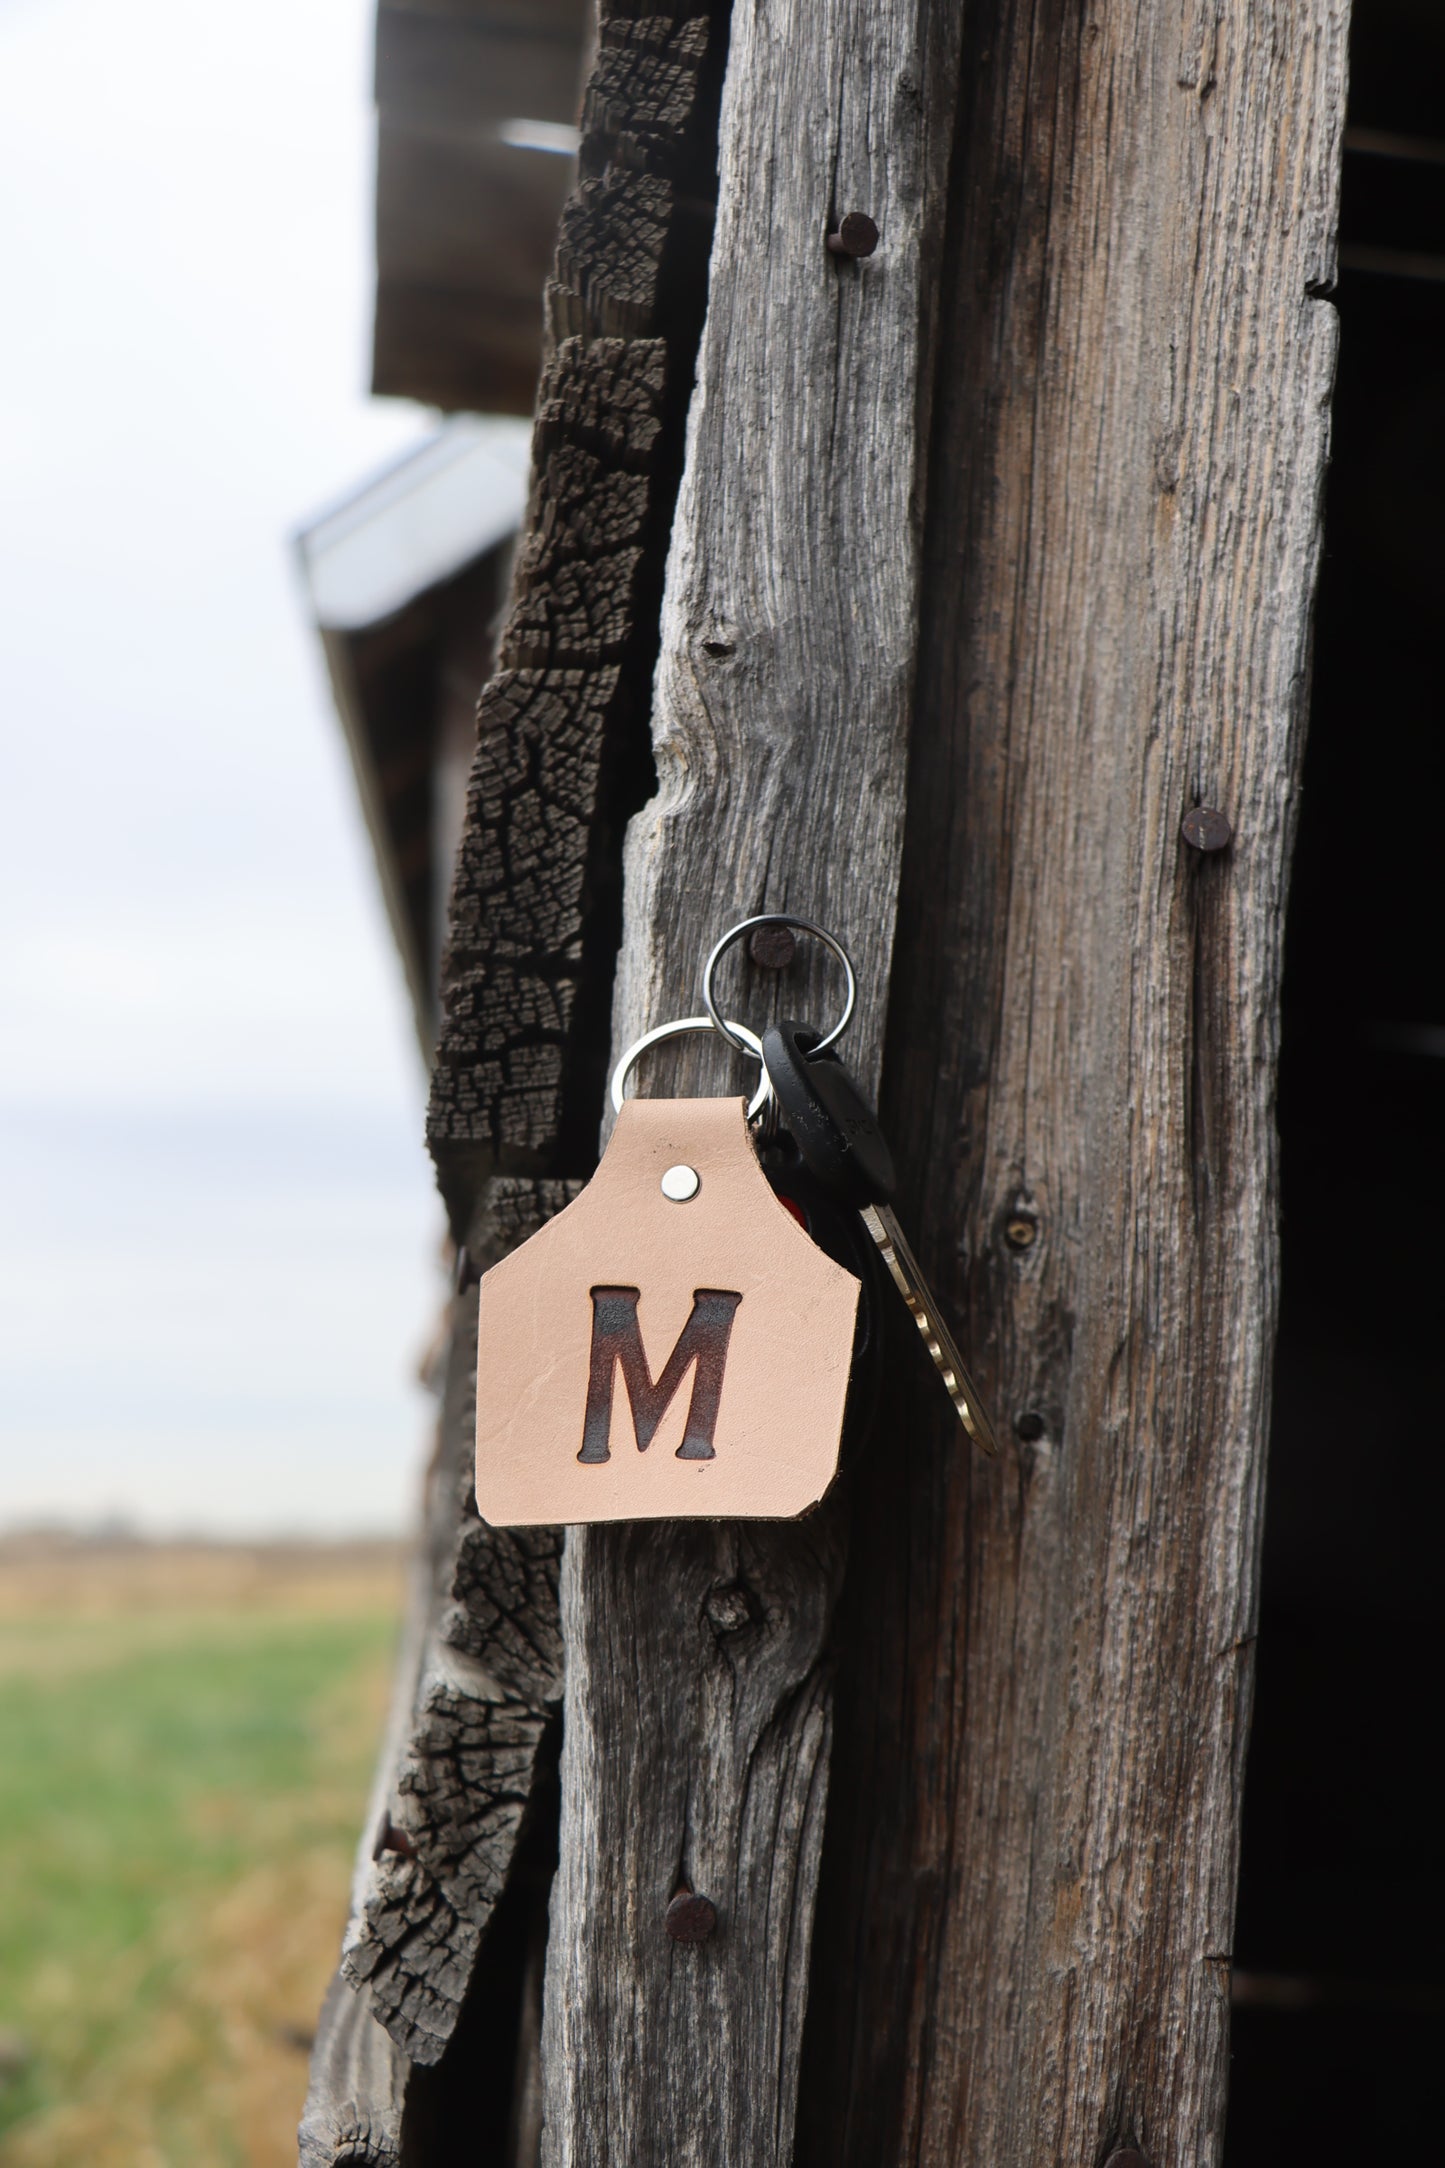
{"points": [[184, 1762]]}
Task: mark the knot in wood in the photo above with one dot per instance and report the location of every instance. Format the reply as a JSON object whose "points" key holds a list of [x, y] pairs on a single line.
{"points": [[729, 1607], [690, 1918]]}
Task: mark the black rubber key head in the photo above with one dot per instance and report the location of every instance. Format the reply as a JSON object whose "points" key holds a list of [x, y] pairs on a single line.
{"points": [[826, 1115]]}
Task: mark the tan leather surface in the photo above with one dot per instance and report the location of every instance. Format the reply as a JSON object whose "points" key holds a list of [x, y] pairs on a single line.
{"points": [[780, 1414]]}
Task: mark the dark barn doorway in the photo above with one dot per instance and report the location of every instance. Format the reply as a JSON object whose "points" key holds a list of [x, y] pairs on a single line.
{"points": [[1338, 1949]]}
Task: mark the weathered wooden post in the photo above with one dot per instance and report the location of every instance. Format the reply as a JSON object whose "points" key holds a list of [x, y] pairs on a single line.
{"points": [[988, 558]]}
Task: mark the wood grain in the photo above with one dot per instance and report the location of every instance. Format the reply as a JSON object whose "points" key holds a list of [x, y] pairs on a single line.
{"points": [[357, 2092], [562, 756], [562, 752], [486, 1675], [1030, 1881], [697, 1712]]}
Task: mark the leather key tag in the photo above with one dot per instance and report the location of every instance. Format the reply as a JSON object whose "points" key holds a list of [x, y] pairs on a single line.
{"points": [[673, 1344]]}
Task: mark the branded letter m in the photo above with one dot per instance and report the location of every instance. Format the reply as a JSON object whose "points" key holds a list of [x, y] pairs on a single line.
{"points": [[617, 1340]]}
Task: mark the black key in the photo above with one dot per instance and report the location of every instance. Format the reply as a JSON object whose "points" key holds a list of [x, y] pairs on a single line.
{"points": [[832, 1124]]}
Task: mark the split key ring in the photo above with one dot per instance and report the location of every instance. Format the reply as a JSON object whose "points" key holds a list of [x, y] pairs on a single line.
{"points": [[736, 1034]]}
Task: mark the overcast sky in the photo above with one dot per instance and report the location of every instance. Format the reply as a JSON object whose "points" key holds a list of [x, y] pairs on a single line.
{"points": [[218, 1234]]}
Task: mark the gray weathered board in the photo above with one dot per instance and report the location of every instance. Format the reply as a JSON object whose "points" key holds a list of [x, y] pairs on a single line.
{"points": [[697, 1714], [1024, 1878], [1028, 1900]]}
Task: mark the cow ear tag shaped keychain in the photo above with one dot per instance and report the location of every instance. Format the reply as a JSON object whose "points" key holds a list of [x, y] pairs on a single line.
{"points": [[672, 1345]]}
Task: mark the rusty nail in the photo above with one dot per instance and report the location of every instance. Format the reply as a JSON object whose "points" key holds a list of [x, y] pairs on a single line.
{"points": [[1205, 829], [395, 1840], [856, 236], [690, 1918], [774, 947], [1021, 1231]]}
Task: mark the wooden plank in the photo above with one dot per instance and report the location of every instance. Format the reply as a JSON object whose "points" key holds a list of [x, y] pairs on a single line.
{"points": [[697, 1711], [562, 757], [357, 2093], [468, 1747], [460, 1767], [1030, 1884], [458, 1821]]}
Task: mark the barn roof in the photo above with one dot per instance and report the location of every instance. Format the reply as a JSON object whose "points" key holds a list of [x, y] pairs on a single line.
{"points": [[475, 101], [405, 579]]}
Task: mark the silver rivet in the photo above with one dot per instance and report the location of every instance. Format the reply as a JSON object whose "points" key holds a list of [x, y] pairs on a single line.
{"points": [[680, 1183]]}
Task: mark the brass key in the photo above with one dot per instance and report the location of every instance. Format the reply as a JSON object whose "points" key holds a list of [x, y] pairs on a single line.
{"points": [[906, 1274], [838, 1138]]}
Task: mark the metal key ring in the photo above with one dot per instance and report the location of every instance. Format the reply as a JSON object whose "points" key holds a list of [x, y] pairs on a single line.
{"points": [[733, 1033], [746, 1042]]}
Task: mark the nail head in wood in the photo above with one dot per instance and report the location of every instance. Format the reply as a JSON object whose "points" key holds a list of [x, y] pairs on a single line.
{"points": [[690, 1918], [856, 236], [773, 947], [394, 1840], [1205, 829], [1021, 1231]]}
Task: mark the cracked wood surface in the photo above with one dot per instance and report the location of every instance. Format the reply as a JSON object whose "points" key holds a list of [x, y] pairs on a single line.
{"points": [[698, 1702], [517, 1090], [478, 1684], [1044, 1701], [562, 741]]}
